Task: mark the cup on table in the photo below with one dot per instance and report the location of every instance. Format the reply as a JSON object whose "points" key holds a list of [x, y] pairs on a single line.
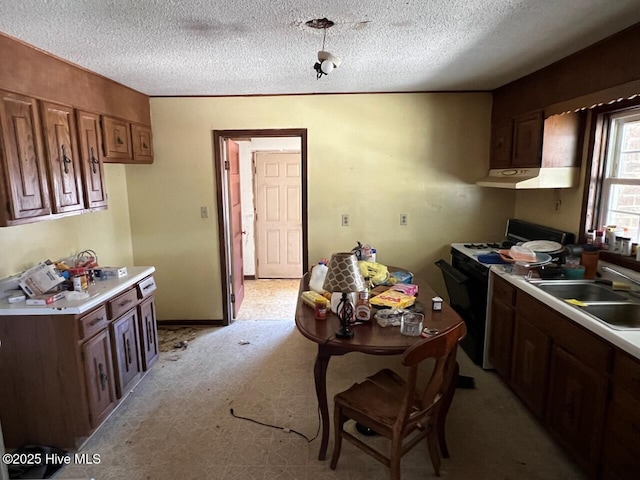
{"points": [[411, 324]]}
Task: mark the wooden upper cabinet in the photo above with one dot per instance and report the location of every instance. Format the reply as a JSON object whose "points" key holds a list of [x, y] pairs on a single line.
{"points": [[517, 143], [24, 180], [63, 157], [501, 144], [90, 140], [527, 140], [116, 140], [142, 146]]}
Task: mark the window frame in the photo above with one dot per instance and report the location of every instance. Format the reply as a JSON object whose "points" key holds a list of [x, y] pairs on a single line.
{"points": [[600, 126]]}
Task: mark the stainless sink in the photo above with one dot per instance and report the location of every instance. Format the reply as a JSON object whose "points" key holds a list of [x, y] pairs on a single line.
{"points": [[617, 310], [584, 291], [621, 316]]}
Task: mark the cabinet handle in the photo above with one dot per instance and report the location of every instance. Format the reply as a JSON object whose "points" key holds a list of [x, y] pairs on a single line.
{"points": [[119, 141], [96, 321], [93, 161], [65, 160], [149, 286], [149, 325], [103, 376], [122, 304], [128, 351], [144, 145]]}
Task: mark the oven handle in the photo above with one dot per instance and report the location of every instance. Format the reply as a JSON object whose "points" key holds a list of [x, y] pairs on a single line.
{"points": [[453, 273]]}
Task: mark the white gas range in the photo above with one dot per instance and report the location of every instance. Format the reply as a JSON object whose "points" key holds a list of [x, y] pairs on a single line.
{"points": [[467, 279]]}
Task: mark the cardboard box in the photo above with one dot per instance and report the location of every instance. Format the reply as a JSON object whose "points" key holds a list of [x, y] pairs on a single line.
{"points": [[45, 299], [39, 279], [110, 272]]}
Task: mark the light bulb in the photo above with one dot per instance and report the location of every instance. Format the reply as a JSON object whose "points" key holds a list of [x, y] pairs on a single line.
{"points": [[327, 66]]}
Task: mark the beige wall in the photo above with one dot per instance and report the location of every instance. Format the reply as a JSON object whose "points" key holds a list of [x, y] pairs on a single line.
{"points": [[107, 232], [371, 156]]}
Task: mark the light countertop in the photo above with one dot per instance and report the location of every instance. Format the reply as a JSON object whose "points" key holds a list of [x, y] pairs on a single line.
{"points": [[98, 294], [627, 340]]}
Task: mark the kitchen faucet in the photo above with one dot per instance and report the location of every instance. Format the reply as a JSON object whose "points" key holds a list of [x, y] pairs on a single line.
{"points": [[632, 280]]}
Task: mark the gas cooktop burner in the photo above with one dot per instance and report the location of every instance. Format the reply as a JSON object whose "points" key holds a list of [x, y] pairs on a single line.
{"points": [[481, 246]]}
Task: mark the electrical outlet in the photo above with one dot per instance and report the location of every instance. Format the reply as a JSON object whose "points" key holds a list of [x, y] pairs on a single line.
{"points": [[345, 220], [403, 219], [204, 212]]}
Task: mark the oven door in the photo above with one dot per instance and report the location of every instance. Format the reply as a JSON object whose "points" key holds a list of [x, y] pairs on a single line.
{"points": [[467, 285]]}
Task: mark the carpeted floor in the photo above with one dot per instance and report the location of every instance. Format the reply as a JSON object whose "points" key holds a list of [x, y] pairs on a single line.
{"points": [[176, 424]]}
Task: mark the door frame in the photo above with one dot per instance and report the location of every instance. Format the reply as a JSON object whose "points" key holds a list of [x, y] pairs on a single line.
{"points": [[222, 192]]}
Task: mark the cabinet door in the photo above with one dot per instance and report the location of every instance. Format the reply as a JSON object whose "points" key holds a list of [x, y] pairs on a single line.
{"points": [[527, 140], [501, 337], [25, 179], [531, 349], [124, 338], [621, 446], [501, 143], [91, 158], [116, 140], [63, 157], [148, 333], [98, 371], [575, 409], [141, 141]]}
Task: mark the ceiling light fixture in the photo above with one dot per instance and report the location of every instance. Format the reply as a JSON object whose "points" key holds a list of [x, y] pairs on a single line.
{"points": [[326, 60]]}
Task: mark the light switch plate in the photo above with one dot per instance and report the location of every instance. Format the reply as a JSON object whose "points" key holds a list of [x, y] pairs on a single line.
{"points": [[204, 212]]}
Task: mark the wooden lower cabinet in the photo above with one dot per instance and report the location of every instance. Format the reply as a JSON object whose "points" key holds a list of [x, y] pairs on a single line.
{"points": [[501, 336], [63, 375], [126, 353], [100, 382], [531, 349], [575, 415], [584, 390], [621, 444], [147, 327]]}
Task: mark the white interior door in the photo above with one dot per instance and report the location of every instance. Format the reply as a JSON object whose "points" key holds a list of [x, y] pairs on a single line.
{"points": [[279, 215]]}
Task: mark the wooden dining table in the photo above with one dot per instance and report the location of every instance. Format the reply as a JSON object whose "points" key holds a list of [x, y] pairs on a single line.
{"points": [[372, 339]]}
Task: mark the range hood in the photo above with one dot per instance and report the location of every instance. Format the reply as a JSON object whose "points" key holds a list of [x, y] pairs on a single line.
{"points": [[531, 178]]}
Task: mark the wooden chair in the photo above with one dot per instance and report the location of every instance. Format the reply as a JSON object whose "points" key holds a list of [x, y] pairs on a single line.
{"points": [[394, 408]]}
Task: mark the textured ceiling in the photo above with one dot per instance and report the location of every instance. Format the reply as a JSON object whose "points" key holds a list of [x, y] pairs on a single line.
{"points": [[209, 47]]}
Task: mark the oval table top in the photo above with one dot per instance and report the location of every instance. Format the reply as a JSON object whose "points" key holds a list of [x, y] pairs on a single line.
{"points": [[371, 337]]}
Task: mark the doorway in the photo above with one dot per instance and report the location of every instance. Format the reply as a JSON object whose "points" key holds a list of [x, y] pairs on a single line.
{"points": [[230, 221]]}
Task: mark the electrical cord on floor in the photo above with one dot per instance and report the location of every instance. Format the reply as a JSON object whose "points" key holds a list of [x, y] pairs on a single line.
{"points": [[285, 429]]}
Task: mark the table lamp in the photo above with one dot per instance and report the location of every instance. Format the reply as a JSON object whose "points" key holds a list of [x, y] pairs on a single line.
{"points": [[344, 276]]}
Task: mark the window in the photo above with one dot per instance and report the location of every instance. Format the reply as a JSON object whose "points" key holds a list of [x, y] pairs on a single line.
{"points": [[620, 190], [612, 190]]}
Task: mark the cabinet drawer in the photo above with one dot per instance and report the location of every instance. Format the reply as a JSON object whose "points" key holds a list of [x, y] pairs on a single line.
{"points": [[626, 374], [122, 303], [504, 291], [146, 287], [93, 322], [536, 313]]}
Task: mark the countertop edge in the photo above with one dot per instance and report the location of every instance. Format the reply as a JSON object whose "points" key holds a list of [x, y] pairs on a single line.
{"points": [[626, 340], [102, 291]]}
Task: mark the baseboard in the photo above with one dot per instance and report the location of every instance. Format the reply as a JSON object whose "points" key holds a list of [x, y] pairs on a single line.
{"points": [[189, 323]]}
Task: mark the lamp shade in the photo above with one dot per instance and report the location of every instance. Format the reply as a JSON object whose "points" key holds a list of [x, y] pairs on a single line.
{"points": [[343, 274]]}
